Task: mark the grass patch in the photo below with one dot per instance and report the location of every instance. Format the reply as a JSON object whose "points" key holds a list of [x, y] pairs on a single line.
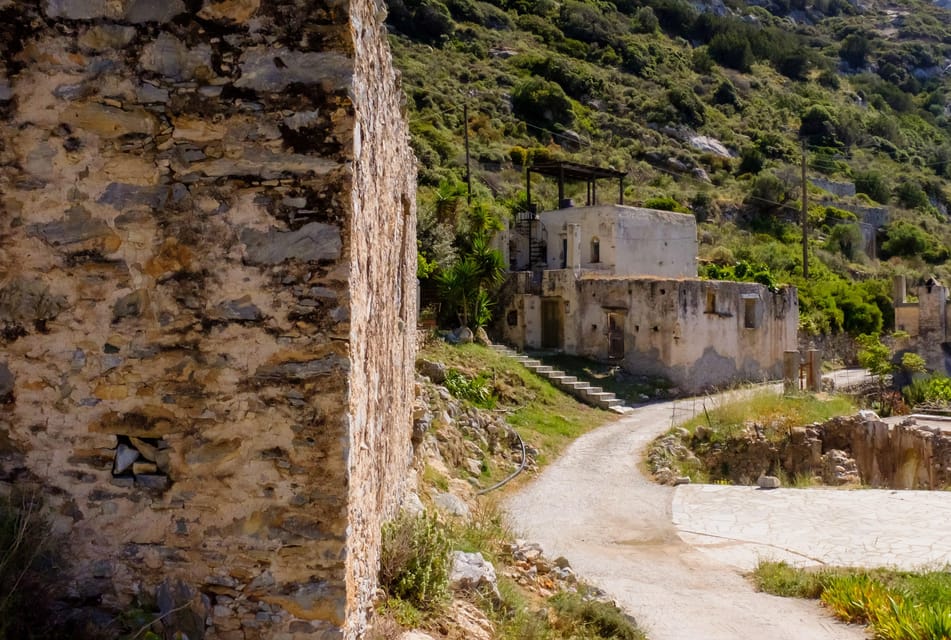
{"points": [[897, 605], [776, 413], [546, 418]]}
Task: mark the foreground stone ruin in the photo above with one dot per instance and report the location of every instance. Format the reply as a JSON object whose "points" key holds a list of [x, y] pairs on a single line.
{"points": [[206, 304]]}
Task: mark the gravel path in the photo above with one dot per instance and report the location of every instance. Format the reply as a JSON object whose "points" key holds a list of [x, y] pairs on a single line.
{"points": [[595, 507]]}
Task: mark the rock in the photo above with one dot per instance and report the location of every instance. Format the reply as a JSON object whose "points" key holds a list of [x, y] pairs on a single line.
{"points": [[768, 482], [168, 56], [123, 197], [125, 457], [462, 335], [414, 635], [451, 504], [471, 623], [472, 572], [481, 337], [679, 480], [156, 483], [240, 310], [412, 504], [76, 227], [562, 562], [473, 466], [868, 414], [229, 10], [111, 122], [710, 145], [129, 306], [299, 371], [435, 371], [312, 242], [6, 384], [272, 69]]}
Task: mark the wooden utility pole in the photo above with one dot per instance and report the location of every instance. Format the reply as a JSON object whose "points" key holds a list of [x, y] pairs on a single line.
{"points": [[805, 216], [465, 123]]}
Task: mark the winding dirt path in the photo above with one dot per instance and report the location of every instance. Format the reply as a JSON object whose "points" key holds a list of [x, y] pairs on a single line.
{"points": [[595, 507]]}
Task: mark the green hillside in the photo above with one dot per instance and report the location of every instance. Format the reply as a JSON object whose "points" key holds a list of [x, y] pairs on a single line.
{"points": [[709, 107]]}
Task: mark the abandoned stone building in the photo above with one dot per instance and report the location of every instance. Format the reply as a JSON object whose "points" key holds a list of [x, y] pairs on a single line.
{"points": [[206, 350], [925, 320], [619, 283]]}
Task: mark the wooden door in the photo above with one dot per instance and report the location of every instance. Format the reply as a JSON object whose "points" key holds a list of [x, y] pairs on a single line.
{"points": [[553, 324], [615, 335]]}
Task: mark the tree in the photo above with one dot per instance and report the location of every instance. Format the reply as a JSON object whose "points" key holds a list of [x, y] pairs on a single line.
{"points": [[854, 50], [542, 102], [872, 184]]}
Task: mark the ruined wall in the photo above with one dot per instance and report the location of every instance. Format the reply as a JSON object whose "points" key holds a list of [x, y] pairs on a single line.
{"points": [[204, 367]]}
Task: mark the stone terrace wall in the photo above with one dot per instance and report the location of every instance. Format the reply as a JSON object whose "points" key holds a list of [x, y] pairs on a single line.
{"points": [[206, 239]]}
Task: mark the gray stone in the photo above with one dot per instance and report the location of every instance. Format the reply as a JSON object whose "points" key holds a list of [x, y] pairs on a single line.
{"points": [[301, 371], [412, 504], [472, 572], [240, 310], [135, 11], [768, 482], [168, 56], [435, 371], [451, 504], [302, 119], [129, 306], [265, 164], [6, 93], [121, 196], [481, 337], [125, 458], [462, 335], [29, 301], [562, 562], [414, 635], [7, 384], [272, 69], [710, 145], [109, 362], [76, 226], [312, 242], [679, 480], [154, 482]]}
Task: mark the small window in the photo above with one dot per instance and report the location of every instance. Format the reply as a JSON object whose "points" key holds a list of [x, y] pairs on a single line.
{"points": [[711, 301], [595, 250], [749, 313]]}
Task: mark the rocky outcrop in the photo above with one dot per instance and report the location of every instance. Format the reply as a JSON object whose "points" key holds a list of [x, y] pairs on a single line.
{"points": [[206, 303], [847, 450]]}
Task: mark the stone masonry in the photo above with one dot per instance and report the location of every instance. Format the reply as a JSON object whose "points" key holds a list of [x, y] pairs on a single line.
{"points": [[207, 304]]}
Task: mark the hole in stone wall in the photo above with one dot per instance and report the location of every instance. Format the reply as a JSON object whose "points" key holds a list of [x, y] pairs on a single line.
{"points": [[145, 461]]}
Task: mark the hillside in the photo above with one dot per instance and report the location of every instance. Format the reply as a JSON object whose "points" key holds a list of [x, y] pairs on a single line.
{"points": [[709, 107]]}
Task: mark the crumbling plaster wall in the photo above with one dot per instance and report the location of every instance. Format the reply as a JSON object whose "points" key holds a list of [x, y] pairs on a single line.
{"points": [[206, 245], [632, 240], [670, 331]]}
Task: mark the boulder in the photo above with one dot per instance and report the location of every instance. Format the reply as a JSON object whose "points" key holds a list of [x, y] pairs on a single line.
{"points": [[481, 337], [435, 371], [768, 482], [472, 572], [451, 504]]}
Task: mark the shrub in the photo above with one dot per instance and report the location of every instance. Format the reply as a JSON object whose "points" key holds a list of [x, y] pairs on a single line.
{"points": [[911, 195], [872, 184], [604, 619], [542, 102], [414, 562], [664, 203], [475, 390]]}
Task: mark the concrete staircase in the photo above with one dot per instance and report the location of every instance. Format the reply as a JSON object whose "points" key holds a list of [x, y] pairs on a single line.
{"points": [[595, 396]]}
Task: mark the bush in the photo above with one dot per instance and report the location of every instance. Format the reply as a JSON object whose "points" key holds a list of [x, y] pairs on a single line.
{"points": [[664, 203], [604, 619], [872, 184], [414, 562], [542, 102], [911, 195], [475, 390]]}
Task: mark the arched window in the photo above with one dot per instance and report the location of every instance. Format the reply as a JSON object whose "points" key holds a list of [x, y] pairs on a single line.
{"points": [[595, 250]]}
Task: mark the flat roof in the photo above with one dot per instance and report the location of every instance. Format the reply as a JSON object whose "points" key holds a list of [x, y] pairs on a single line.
{"points": [[574, 170]]}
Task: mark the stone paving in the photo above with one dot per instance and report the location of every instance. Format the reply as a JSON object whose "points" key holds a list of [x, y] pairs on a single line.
{"points": [[740, 525]]}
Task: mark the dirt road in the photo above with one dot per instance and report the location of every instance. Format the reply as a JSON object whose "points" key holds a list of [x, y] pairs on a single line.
{"points": [[595, 507]]}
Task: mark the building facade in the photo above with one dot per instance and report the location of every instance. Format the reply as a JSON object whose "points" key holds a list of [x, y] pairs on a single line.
{"points": [[620, 284]]}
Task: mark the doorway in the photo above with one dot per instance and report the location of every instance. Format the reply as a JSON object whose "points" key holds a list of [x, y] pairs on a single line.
{"points": [[553, 323], [615, 335]]}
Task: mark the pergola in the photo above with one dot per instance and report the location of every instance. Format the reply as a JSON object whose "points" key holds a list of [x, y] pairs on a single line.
{"points": [[572, 171]]}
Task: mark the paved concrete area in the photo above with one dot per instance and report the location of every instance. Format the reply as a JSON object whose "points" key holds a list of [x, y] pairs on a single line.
{"points": [[740, 525], [674, 557]]}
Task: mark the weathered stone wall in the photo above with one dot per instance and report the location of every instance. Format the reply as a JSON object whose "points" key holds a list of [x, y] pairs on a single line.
{"points": [[205, 248]]}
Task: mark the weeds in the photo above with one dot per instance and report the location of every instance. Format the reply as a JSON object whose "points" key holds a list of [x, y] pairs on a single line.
{"points": [[898, 605], [476, 390], [414, 563], [24, 537]]}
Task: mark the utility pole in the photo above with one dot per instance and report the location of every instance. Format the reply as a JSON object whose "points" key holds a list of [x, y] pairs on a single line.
{"points": [[805, 217], [465, 118]]}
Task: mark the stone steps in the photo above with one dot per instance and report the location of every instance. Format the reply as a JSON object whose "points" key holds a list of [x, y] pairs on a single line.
{"points": [[595, 396]]}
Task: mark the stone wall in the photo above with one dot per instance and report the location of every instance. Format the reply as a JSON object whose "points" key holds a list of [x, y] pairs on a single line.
{"points": [[206, 248]]}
